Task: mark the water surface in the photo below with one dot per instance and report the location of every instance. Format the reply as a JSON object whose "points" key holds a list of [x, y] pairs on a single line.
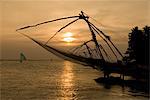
{"points": [[57, 80]]}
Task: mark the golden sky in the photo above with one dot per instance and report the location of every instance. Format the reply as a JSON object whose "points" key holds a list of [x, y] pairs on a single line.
{"points": [[116, 16]]}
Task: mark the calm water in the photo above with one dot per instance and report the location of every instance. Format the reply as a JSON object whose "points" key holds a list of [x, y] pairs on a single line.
{"points": [[57, 80]]}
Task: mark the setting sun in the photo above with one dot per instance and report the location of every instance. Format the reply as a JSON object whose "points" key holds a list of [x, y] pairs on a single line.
{"points": [[68, 37]]}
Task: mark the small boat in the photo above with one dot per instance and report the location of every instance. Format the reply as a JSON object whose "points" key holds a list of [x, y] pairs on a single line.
{"points": [[22, 57]]}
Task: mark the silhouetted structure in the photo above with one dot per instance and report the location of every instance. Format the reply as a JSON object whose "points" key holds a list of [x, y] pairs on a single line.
{"points": [[97, 56], [138, 43]]}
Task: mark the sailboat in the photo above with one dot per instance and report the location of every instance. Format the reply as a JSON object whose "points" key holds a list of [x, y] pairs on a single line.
{"points": [[22, 57], [97, 58]]}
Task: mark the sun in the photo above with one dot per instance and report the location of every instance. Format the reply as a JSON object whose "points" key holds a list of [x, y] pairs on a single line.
{"points": [[68, 37]]}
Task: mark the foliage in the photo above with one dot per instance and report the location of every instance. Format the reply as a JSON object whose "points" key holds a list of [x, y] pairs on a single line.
{"points": [[138, 45]]}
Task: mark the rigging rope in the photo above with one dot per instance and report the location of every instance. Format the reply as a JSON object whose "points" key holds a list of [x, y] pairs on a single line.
{"points": [[95, 40], [46, 22], [95, 20], [61, 29], [102, 47], [106, 43], [108, 38]]}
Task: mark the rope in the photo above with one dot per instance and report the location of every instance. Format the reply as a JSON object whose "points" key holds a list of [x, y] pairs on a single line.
{"points": [[106, 43], [102, 46], [94, 20], [46, 22], [108, 38], [60, 30]]}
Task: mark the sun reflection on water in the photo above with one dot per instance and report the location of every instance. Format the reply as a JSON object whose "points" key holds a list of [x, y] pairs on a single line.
{"points": [[67, 83]]}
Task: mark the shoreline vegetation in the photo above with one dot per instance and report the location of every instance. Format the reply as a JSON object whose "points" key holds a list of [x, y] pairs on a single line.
{"points": [[138, 46], [137, 54]]}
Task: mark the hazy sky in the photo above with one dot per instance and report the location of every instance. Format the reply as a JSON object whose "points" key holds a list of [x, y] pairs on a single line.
{"points": [[116, 16]]}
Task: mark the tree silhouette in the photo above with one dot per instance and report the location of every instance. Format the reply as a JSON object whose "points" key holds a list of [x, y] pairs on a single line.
{"points": [[138, 45]]}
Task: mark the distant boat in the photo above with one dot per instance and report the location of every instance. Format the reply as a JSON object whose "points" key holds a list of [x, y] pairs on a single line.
{"points": [[22, 57]]}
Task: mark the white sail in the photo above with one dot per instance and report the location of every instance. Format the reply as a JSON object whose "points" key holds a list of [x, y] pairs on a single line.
{"points": [[22, 57]]}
